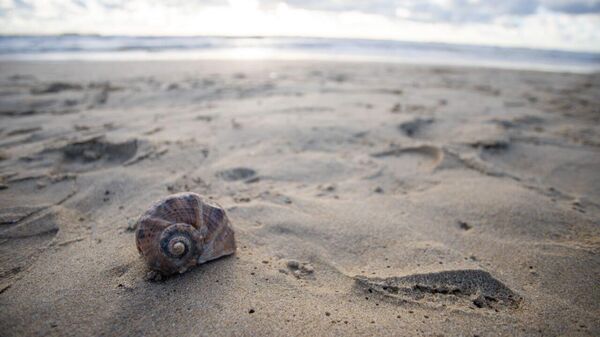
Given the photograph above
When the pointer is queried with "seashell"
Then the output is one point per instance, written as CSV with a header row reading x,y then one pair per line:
x,y
181,231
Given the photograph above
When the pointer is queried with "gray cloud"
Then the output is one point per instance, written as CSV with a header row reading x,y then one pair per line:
x,y
573,7
451,10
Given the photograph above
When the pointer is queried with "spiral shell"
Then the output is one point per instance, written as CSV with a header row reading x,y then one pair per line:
x,y
181,231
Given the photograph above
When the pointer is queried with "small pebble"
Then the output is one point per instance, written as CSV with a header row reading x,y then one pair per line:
x,y
463,225
308,268
153,276
293,264
131,225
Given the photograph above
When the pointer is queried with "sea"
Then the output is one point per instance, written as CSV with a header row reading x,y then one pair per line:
x,y
118,48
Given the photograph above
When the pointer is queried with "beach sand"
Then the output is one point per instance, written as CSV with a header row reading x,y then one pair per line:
x,y
368,199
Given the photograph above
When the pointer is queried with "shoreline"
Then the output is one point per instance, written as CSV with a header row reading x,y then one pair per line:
x,y
116,48
259,56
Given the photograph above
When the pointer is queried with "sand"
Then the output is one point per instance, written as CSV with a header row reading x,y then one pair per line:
x,y
367,199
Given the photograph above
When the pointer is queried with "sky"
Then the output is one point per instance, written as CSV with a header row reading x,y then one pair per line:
x,y
547,24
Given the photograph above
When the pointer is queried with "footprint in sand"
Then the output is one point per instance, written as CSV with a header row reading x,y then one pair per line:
x,y
570,169
238,173
26,196
407,168
23,242
97,153
38,226
78,154
470,287
32,218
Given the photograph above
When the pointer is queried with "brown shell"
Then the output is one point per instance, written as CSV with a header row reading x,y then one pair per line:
x,y
181,231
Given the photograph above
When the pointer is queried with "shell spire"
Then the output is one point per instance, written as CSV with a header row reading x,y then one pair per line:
x,y
181,231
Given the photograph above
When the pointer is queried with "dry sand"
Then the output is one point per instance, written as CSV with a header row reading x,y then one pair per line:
x,y
367,199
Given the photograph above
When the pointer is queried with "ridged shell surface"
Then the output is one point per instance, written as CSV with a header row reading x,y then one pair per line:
x,y
181,231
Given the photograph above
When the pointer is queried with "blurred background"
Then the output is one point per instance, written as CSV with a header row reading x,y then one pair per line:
x,y
539,34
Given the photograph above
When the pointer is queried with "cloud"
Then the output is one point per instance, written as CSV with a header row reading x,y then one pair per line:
x,y
458,11
573,7
557,24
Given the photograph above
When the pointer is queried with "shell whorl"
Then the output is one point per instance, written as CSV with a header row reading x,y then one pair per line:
x,y
178,247
176,241
181,231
